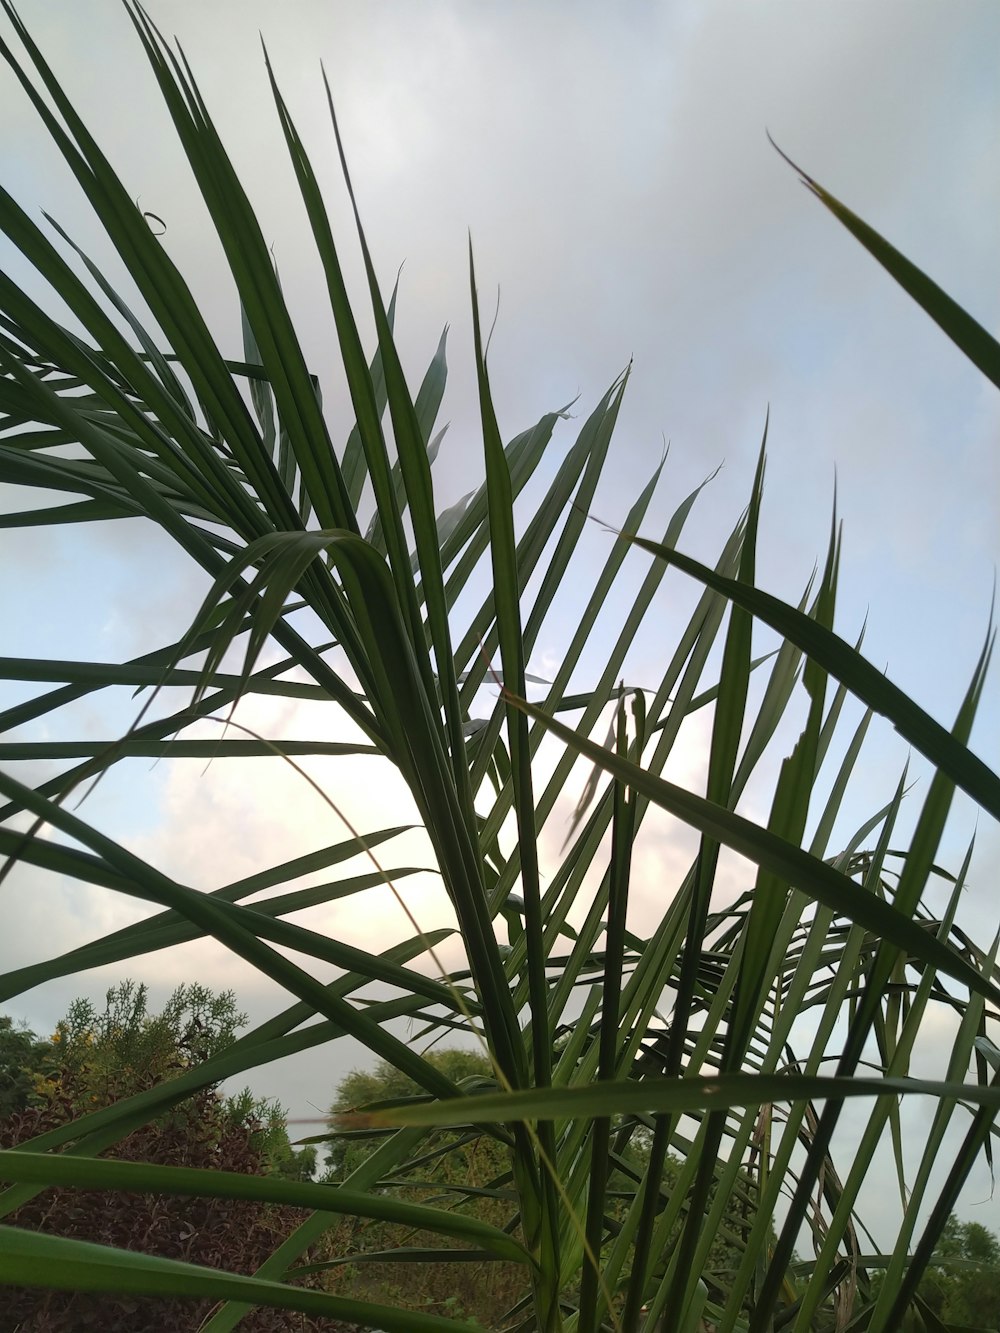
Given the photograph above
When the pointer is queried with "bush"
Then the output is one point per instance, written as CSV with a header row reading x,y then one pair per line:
x,y
465,1171
95,1058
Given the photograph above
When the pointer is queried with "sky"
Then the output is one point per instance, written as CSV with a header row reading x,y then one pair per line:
x,y
612,166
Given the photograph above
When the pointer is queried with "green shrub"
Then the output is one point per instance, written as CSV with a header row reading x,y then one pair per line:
x,y
95,1058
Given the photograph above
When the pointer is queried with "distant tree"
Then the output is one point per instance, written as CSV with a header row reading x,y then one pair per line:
x,y
383,1083
367,1087
726,1252
100,1056
963,1284
270,1136
447,1161
21,1056
95,1057
974,1242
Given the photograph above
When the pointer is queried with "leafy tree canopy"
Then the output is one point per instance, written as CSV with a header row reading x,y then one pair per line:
x,y
365,1087
463,1170
963,1284
98,1056
21,1055
383,1083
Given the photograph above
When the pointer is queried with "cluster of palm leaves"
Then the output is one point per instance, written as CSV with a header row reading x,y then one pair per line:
x,y
691,1035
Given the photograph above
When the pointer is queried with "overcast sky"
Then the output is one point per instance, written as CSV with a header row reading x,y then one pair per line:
x,y
612,165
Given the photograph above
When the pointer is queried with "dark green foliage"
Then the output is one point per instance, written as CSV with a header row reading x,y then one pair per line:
x,y
450,1160
96,1057
384,1083
961,1287
270,1136
362,1086
835,910
109,1054
21,1056
963,1284
463,1171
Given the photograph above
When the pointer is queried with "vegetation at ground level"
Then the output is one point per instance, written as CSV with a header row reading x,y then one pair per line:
x,y
466,1171
325,544
961,1287
470,1172
92,1055
92,1060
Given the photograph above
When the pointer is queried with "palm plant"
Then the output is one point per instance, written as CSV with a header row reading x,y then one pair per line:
x,y
691,1034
